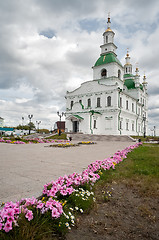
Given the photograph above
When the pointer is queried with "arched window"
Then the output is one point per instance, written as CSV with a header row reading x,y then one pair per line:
x,y
109,101
98,102
119,74
71,104
106,39
95,123
104,73
89,102
126,69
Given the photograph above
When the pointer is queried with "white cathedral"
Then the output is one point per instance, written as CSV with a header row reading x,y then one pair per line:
x,y
114,102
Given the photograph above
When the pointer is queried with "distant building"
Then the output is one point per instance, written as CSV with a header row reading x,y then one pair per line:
x,y
4,131
114,102
1,122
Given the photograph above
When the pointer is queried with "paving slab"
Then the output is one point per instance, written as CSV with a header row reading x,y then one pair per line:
x,y
24,169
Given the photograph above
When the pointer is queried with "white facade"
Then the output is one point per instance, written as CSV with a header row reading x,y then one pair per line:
x,y
1,122
114,102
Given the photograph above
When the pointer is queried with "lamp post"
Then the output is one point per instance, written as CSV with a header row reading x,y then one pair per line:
x,y
30,117
60,116
154,129
144,120
22,123
38,122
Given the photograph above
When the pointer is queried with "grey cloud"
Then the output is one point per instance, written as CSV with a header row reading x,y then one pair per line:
x,y
48,65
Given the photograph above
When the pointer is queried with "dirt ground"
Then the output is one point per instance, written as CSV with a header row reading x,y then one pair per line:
x,y
126,215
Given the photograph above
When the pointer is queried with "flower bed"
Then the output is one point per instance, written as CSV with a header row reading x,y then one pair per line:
x,y
61,199
64,145
31,141
87,143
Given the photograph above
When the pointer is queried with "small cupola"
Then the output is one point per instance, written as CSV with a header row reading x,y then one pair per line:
x,y
128,65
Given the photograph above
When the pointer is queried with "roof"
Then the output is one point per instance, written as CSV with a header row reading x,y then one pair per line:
x,y
130,84
107,58
77,116
128,75
6,129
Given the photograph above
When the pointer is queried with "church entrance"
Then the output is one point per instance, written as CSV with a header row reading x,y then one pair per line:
x,y
75,126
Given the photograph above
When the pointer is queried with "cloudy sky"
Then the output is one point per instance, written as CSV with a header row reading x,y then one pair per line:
x,y
48,47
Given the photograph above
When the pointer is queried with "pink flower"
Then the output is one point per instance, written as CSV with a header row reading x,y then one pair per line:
x,y
40,205
29,215
7,226
55,213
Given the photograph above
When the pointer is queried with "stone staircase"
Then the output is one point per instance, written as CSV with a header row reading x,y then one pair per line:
x,y
92,137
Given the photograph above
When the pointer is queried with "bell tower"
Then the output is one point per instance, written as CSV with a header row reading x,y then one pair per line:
x,y
108,39
128,65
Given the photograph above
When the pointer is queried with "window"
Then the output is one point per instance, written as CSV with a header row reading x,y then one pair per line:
x,y
139,111
126,69
95,123
98,102
132,107
127,126
119,74
127,104
120,124
106,39
89,102
104,73
109,101
120,104
132,126
71,104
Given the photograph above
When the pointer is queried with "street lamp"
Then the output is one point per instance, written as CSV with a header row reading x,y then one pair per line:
x,y
22,123
60,116
144,120
38,122
30,117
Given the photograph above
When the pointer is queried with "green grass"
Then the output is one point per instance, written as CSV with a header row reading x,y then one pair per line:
x,y
140,169
62,136
147,138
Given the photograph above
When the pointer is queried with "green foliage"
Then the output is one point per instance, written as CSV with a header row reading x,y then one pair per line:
x,y
147,138
26,127
62,136
43,131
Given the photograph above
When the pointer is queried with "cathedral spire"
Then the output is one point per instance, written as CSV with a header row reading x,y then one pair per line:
x,y
108,23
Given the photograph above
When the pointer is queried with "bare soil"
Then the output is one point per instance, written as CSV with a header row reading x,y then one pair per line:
x,y
126,215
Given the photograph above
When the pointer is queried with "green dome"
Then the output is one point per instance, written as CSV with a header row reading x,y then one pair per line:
x,y
128,75
107,58
129,83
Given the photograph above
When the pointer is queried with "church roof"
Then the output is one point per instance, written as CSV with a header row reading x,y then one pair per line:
x,y
107,58
128,75
130,84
